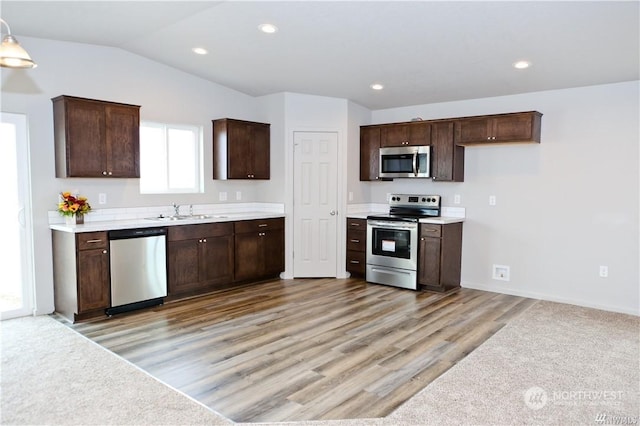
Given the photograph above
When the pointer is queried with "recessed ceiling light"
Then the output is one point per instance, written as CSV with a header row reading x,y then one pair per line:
x,y
268,28
521,65
200,50
377,86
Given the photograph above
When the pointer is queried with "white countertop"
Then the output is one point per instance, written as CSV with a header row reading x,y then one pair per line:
x,y
109,225
440,220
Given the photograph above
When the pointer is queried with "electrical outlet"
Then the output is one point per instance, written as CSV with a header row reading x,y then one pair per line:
x,y
456,199
238,195
492,200
222,196
350,196
604,271
501,272
102,198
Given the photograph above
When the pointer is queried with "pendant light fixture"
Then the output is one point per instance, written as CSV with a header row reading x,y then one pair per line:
x,y
12,55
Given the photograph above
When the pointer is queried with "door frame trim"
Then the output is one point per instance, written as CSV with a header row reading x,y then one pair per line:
x,y
341,194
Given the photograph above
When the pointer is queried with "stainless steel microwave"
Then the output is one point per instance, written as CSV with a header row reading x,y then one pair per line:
x,y
405,162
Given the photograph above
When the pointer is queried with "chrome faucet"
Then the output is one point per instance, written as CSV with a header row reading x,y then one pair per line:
x,y
176,208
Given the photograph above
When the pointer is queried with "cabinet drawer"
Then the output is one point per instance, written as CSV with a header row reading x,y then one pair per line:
x,y
91,240
190,232
356,240
356,262
430,230
246,226
356,224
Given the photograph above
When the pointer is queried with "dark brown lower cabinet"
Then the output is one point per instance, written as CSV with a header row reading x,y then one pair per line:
x,y
439,256
259,249
356,246
81,277
199,257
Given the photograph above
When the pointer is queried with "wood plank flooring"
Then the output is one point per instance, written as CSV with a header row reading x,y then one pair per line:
x,y
306,349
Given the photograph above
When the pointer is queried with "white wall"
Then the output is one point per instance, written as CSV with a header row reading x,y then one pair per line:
x,y
564,207
165,94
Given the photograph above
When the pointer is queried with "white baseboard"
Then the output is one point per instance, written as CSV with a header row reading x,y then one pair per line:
x,y
550,298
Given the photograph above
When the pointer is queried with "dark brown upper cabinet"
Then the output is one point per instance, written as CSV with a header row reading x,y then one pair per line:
x,y
369,152
96,138
241,149
519,127
447,158
413,133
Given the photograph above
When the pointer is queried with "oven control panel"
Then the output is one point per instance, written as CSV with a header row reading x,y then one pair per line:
x,y
413,200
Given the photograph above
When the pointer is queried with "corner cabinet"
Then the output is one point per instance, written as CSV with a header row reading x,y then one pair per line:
x,y
520,127
439,256
81,278
199,258
259,249
96,138
241,149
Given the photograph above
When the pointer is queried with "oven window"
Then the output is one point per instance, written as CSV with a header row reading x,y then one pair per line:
x,y
391,242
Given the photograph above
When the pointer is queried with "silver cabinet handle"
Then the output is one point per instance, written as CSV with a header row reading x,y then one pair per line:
x,y
94,241
354,261
355,241
262,225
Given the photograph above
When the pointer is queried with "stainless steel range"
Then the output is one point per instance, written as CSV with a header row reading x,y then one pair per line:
x,y
392,240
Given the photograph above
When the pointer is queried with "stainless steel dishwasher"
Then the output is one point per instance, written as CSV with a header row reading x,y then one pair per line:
x,y
138,268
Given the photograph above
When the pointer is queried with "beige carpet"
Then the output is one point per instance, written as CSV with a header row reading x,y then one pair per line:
x,y
556,364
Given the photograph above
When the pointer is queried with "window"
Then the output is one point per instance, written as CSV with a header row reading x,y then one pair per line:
x,y
170,158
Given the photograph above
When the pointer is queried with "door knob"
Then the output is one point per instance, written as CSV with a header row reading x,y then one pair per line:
x,y
333,212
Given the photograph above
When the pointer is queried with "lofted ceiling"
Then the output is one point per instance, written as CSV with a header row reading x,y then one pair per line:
x,y
421,51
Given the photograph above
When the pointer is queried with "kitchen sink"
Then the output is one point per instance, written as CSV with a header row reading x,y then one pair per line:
x,y
168,218
185,217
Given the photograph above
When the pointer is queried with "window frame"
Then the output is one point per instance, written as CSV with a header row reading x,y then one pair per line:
x,y
198,163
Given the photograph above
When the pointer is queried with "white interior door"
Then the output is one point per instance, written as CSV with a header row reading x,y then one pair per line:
x,y
16,286
315,203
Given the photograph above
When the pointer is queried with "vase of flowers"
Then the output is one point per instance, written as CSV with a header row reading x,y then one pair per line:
x,y
73,208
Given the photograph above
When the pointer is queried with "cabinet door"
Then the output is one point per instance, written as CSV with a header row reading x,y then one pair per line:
x,y
512,128
394,135
369,152
447,159
247,256
216,255
473,130
429,262
183,263
272,252
93,280
238,150
405,134
122,141
85,148
259,135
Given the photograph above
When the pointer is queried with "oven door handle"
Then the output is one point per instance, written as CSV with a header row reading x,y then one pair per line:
x,y
393,224
415,163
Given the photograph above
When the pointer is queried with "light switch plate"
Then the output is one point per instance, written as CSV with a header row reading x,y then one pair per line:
x,y
222,196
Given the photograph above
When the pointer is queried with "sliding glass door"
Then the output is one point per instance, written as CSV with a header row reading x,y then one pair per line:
x,y
16,284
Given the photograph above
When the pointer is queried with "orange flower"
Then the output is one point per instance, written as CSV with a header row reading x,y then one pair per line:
x,y
70,205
